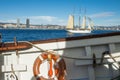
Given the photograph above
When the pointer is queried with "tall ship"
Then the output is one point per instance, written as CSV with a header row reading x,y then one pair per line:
x,y
87,57
84,28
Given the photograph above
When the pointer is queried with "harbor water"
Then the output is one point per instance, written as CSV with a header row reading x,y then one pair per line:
x,y
40,34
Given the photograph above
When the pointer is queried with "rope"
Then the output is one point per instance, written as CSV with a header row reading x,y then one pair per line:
x,y
87,58
13,73
47,51
62,55
107,52
35,46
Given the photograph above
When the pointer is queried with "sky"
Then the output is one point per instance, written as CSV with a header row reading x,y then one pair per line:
x,y
56,12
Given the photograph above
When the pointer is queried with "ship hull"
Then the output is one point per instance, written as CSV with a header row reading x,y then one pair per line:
x,y
79,31
77,53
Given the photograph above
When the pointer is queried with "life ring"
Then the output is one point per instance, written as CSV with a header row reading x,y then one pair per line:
x,y
59,67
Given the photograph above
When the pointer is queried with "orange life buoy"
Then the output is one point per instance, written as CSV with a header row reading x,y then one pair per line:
x,y
59,67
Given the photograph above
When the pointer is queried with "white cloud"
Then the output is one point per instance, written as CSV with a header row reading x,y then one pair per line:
x,y
113,20
9,21
37,20
45,20
103,14
109,22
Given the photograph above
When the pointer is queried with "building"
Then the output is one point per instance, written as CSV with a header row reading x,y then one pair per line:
x,y
27,23
18,23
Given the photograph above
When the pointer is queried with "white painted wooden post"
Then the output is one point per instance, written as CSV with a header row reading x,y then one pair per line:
x,y
8,60
112,47
111,50
7,67
15,61
5,63
91,72
110,70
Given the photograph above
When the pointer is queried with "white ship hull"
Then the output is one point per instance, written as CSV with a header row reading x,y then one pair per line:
x,y
77,53
79,31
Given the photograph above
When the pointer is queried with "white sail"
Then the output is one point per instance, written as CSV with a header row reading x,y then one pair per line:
x,y
91,25
70,22
84,23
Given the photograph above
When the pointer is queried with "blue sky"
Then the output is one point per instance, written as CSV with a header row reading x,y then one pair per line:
x,y
102,12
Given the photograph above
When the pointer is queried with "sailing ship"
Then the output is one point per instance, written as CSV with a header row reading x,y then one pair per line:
x,y
83,29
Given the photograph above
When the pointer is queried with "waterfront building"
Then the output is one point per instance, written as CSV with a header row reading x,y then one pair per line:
x,y
27,23
18,23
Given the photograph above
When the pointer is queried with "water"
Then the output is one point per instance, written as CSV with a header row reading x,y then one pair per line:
x,y
37,34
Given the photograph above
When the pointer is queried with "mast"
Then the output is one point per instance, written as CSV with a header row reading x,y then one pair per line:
x,y
70,22
84,20
79,17
79,21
